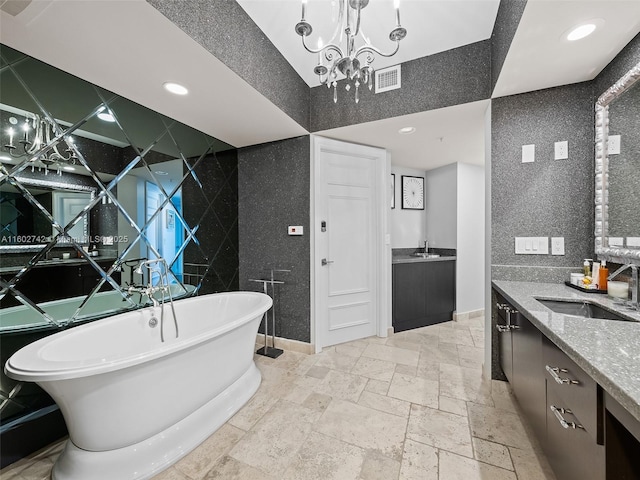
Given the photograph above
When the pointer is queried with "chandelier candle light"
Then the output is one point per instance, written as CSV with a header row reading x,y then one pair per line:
x,y
43,135
348,61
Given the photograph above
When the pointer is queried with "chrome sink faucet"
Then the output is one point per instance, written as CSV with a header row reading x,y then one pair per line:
x,y
633,285
426,246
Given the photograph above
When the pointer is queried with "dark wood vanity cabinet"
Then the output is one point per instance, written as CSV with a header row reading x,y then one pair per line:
x,y
562,403
424,293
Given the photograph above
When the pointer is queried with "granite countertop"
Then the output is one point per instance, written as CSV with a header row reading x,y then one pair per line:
x,y
414,259
608,350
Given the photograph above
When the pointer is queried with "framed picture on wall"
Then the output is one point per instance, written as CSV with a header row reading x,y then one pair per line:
x,y
412,192
393,190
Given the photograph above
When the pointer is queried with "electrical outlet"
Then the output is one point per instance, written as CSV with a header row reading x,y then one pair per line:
x,y
557,245
613,144
561,150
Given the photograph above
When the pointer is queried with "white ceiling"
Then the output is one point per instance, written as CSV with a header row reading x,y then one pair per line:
x,y
148,50
433,26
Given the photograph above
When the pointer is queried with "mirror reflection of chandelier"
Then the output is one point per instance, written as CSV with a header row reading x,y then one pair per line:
x,y
354,63
35,133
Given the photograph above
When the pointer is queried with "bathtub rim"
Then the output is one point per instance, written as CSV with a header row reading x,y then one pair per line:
x,y
39,370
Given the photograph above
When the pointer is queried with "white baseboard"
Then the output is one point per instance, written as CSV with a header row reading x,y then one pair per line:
x,y
457,316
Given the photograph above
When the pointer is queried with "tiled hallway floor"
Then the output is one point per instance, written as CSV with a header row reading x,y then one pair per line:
x,y
413,406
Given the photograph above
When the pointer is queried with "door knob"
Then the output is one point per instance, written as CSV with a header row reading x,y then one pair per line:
x,y
325,262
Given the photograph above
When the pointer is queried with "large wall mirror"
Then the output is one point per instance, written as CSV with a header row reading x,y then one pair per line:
x,y
618,170
91,184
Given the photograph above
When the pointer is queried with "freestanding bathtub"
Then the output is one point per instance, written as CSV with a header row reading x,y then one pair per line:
x,y
134,405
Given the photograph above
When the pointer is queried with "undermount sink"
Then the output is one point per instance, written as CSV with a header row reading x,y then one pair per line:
x,y
582,309
426,255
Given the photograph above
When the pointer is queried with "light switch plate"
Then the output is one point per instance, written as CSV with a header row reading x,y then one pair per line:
x,y
528,153
561,150
296,230
616,241
557,245
613,144
633,242
532,245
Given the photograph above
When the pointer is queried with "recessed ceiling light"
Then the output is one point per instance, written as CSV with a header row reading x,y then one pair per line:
x,y
175,88
106,117
407,130
161,172
584,29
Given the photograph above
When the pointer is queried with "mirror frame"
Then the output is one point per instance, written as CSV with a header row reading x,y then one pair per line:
x,y
49,184
617,255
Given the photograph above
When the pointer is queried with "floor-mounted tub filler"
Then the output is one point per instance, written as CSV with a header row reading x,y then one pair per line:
x,y
135,405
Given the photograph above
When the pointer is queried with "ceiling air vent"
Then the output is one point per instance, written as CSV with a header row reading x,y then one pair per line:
x,y
388,79
14,7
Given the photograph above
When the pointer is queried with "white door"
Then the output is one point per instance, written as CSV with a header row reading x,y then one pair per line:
x,y
347,240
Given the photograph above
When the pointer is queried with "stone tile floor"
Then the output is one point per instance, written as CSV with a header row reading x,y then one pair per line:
x,y
412,406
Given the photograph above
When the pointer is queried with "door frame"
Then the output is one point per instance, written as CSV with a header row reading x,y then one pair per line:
x,y
383,240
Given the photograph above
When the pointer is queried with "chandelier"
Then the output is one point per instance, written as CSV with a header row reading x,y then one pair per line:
x,y
43,135
354,63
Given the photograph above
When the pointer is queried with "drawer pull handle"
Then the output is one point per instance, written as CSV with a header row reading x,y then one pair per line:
x,y
558,412
553,371
506,307
503,328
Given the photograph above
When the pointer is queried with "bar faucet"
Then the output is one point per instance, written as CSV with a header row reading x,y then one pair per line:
x,y
633,284
426,246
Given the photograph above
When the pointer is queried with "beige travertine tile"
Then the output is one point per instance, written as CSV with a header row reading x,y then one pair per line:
x,y
228,468
463,337
171,473
254,409
35,469
470,356
274,441
385,404
497,426
197,463
452,405
440,353
351,349
503,397
530,466
428,368
455,467
440,429
466,384
415,390
419,462
317,372
399,342
492,453
374,369
336,361
289,360
298,391
377,386
341,385
325,458
392,354
407,370
317,401
364,427
378,467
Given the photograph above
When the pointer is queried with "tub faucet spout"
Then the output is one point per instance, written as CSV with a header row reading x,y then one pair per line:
x,y
159,266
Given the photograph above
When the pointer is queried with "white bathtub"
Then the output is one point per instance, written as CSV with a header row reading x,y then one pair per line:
x,y
134,405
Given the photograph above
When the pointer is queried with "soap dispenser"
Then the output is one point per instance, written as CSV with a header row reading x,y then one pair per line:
x,y
603,276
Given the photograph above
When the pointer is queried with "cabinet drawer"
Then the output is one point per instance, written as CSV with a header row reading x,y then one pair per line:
x,y
572,452
570,383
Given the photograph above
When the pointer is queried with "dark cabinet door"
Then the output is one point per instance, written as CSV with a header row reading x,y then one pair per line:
x,y
571,450
528,371
441,292
409,296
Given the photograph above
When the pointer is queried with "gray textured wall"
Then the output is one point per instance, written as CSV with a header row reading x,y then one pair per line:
x,y
457,76
507,20
223,28
547,198
273,193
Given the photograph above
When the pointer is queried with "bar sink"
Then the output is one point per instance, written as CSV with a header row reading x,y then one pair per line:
x,y
582,309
